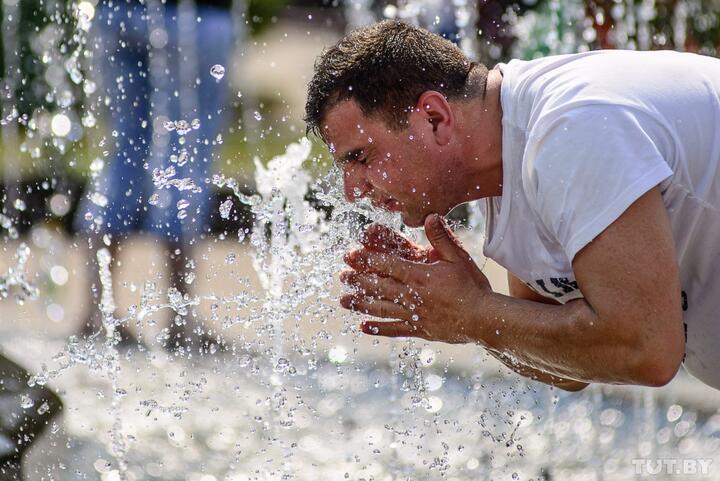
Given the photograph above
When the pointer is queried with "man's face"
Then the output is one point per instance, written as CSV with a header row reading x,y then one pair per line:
x,y
398,170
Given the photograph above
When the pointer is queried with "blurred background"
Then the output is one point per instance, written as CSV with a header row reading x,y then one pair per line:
x,y
152,150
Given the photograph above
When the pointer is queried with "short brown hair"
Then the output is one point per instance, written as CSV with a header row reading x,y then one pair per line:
x,y
385,67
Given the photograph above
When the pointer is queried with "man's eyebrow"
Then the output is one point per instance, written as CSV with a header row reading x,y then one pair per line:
x,y
348,156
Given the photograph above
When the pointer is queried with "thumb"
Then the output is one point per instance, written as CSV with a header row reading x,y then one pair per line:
x,y
443,239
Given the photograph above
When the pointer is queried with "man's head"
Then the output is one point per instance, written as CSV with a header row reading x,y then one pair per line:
x,y
386,101
384,68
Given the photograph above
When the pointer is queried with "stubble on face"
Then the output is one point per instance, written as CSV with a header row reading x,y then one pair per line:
x,y
394,165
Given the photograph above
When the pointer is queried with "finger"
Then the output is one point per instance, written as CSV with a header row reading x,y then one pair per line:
x,y
380,238
356,260
444,240
384,265
391,329
374,307
386,288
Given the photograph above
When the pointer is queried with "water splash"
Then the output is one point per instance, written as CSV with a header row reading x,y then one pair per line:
x,y
16,281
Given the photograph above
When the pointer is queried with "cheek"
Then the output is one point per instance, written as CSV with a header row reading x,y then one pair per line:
x,y
383,170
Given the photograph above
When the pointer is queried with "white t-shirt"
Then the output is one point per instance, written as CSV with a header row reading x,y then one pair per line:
x,y
586,135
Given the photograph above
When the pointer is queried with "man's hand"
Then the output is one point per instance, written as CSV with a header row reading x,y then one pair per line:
x,y
434,292
380,240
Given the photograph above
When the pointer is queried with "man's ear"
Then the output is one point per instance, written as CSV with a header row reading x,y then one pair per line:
x,y
434,109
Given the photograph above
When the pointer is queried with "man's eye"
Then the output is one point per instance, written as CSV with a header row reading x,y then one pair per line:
x,y
361,160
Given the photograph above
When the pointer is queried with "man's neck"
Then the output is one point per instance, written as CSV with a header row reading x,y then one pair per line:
x,y
483,149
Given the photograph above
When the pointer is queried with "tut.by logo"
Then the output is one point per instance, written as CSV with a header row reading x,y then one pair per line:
x,y
672,466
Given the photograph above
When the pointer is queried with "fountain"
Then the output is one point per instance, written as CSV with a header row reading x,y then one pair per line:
x,y
294,391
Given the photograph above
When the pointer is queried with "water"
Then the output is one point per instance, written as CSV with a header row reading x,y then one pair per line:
x,y
217,71
286,387
16,281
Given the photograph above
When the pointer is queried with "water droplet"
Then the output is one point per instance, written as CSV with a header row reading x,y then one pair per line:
x,y
183,158
217,71
97,165
337,354
98,199
60,125
169,125
282,365
89,120
26,402
182,214
390,11
182,127
19,204
225,209
102,466
195,124
257,116
154,199
183,204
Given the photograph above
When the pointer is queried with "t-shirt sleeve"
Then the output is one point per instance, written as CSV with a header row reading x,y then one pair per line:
x,y
583,168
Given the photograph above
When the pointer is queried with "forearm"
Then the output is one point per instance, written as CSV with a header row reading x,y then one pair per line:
x,y
567,341
537,375
519,290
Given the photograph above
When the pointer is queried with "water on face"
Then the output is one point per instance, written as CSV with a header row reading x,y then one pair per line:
x,y
278,383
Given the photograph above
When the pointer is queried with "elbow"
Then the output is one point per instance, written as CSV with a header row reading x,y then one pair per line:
x,y
658,364
572,386
658,374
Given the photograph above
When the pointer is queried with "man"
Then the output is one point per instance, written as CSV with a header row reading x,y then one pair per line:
x,y
602,199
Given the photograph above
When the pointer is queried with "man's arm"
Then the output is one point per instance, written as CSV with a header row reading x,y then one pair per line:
x,y
626,330
519,290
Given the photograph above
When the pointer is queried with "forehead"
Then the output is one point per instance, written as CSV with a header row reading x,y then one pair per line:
x,y
343,120
346,128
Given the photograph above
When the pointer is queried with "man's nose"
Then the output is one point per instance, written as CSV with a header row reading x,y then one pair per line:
x,y
355,186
